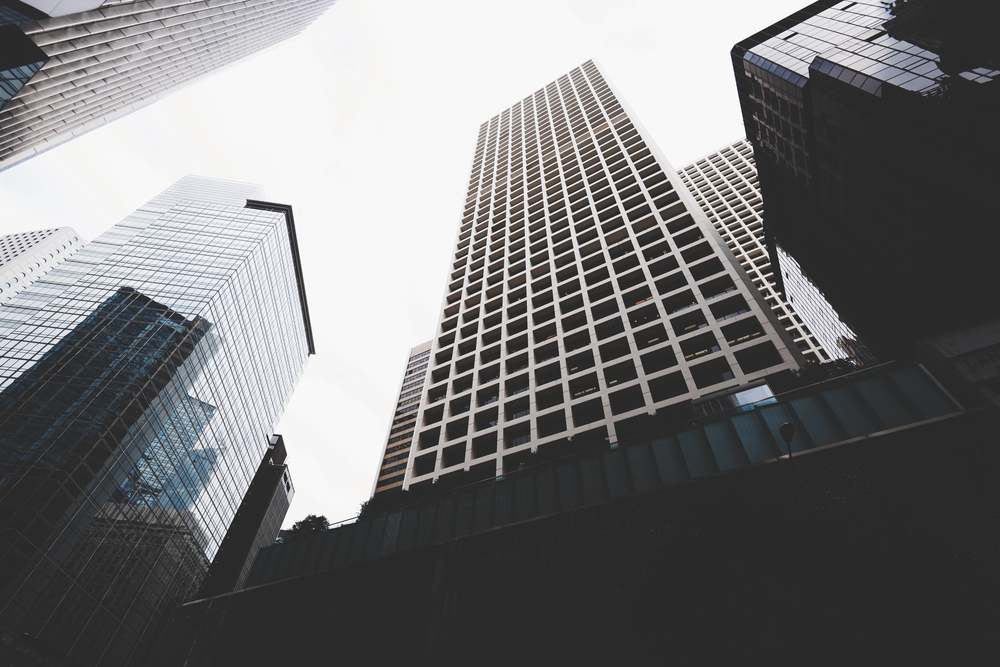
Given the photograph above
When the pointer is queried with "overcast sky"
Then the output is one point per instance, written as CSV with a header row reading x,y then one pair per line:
x,y
366,124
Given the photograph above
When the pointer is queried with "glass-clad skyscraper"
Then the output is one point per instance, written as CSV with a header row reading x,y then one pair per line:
x,y
140,382
70,66
874,131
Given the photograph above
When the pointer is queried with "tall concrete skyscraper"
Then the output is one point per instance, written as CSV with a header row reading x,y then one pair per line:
x,y
725,185
587,291
69,66
140,384
392,465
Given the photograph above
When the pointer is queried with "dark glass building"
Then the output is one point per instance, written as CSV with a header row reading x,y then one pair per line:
x,y
873,126
140,382
69,66
256,524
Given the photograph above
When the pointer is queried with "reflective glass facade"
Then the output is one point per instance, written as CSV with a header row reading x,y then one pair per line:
x,y
725,185
873,126
140,382
98,65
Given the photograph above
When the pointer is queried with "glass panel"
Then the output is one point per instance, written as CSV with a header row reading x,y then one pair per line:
x,y
484,509
408,529
570,493
776,415
816,421
726,448
849,412
524,496
922,393
464,514
886,405
300,555
263,567
616,473
697,454
390,536
593,481
374,537
283,566
669,460
343,545
753,434
360,539
446,512
545,487
501,503
641,462
311,563
425,530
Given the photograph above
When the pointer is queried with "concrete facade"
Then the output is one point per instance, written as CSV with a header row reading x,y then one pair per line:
x,y
587,289
392,465
27,256
725,185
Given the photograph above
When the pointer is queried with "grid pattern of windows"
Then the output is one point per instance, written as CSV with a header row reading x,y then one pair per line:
x,y
27,256
586,288
106,63
397,446
725,186
140,381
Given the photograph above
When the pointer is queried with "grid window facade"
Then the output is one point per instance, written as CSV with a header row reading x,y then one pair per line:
x,y
586,289
725,185
404,420
27,256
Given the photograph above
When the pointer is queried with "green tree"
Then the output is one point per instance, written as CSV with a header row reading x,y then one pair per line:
x,y
310,524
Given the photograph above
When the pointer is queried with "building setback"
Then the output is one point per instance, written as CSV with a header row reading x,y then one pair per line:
x,y
873,126
90,62
392,466
140,382
725,186
587,291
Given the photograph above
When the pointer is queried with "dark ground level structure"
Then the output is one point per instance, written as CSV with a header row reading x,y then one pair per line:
x,y
884,547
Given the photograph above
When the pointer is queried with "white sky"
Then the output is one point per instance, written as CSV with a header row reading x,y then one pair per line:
x,y
366,125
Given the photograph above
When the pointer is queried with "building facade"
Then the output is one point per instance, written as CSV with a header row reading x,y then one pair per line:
x,y
140,383
26,256
587,291
873,131
725,186
256,524
69,67
392,466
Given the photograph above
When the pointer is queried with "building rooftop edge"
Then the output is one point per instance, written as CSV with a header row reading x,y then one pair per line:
x,y
286,209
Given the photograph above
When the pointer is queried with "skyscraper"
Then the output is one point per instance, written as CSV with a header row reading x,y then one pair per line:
x,y
873,126
725,185
26,256
392,465
69,67
256,524
140,382
587,291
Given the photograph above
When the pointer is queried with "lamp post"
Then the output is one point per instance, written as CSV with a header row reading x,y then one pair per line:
x,y
787,431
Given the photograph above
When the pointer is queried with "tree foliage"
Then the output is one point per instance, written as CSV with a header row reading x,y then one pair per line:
x,y
310,524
